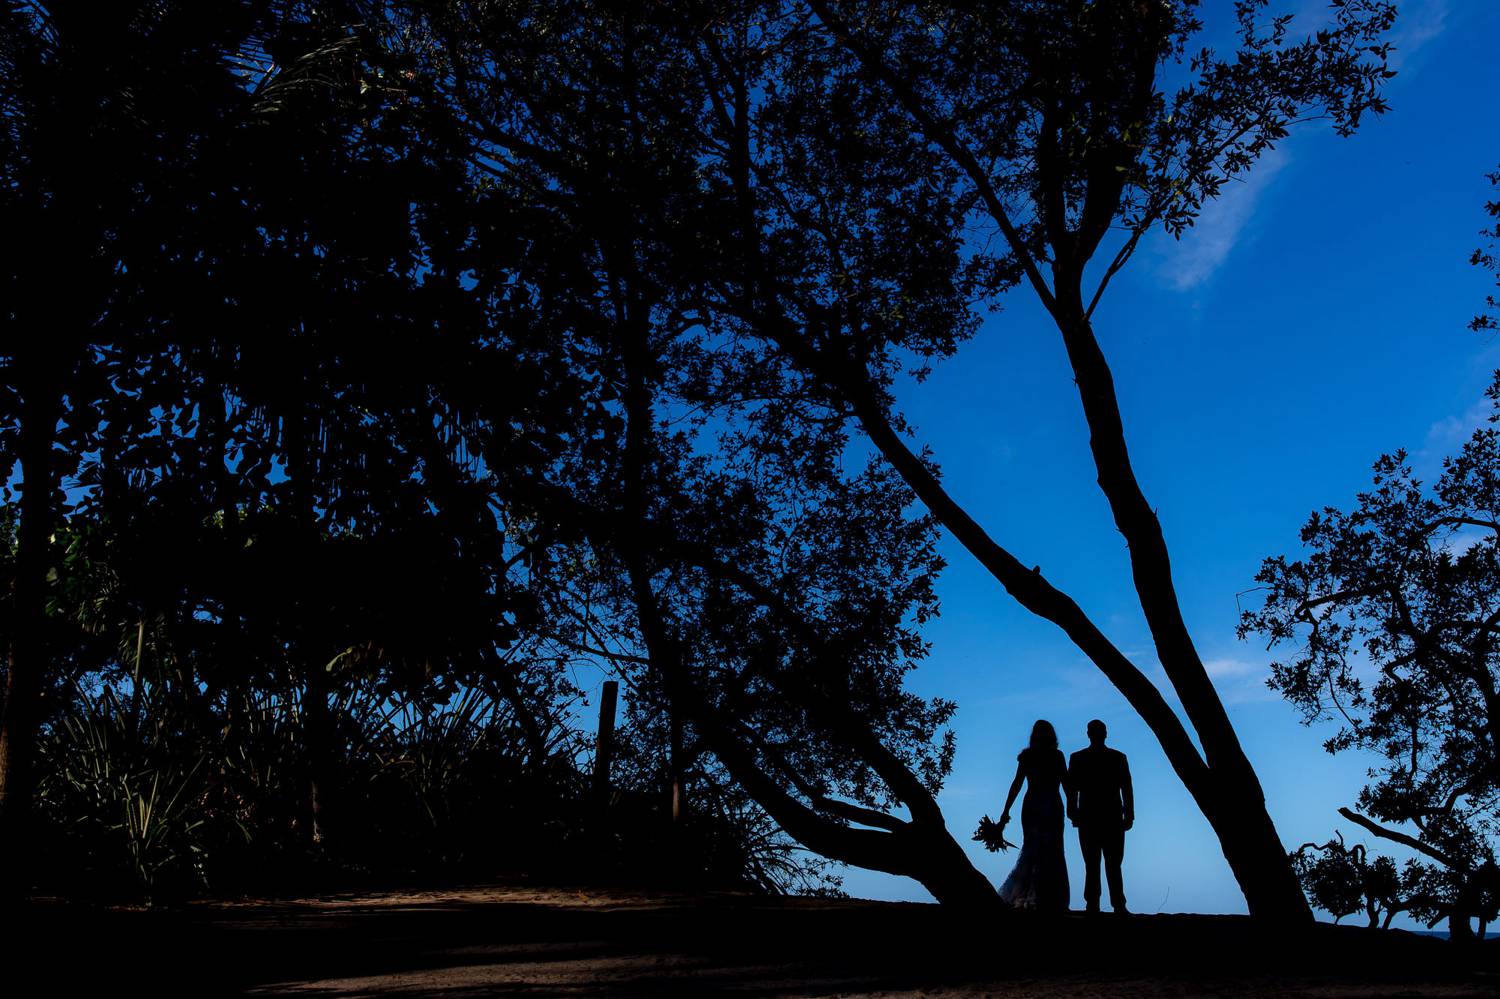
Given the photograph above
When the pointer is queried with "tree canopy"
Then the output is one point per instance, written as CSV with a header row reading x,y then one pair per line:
x,y
1391,619
435,347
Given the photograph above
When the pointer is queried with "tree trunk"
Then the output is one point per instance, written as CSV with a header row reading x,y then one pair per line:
x,y
1234,808
1254,851
675,767
1226,788
1249,837
922,850
947,873
27,665
1465,906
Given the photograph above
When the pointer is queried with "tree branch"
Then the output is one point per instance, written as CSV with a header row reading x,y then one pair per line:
x,y
1400,837
1455,521
940,134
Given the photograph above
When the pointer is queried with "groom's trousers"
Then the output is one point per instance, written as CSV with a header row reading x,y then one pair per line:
x,y
1105,843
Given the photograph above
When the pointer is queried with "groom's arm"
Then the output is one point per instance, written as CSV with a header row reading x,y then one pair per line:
x,y
1070,789
1127,793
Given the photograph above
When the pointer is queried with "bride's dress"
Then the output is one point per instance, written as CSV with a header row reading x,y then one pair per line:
x,y
1040,877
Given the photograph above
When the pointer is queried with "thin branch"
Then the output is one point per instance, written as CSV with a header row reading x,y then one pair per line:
x,y
1431,526
940,134
619,657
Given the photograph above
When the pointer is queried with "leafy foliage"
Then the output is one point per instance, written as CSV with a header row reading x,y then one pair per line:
x,y
1343,880
1484,257
1392,614
430,349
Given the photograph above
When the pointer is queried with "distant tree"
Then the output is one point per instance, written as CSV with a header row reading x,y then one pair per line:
x,y
1341,880
1393,614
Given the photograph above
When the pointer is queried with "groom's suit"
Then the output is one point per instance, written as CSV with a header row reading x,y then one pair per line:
x,y
1102,805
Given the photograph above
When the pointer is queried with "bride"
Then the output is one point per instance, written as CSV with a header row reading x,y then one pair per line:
x,y
1040,878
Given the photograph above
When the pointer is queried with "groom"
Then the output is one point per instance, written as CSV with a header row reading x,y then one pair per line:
x,y
1102,806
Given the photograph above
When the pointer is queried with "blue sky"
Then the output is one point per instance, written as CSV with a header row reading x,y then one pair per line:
x,y
1314,319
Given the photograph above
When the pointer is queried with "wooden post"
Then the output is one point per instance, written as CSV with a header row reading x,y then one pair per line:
x,y
674,764
604,741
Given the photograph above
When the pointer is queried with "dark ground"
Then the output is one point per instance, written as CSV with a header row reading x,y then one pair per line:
x,y
534,941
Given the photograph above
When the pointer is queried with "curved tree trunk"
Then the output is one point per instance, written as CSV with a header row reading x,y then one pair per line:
x,y
1248,835
920,848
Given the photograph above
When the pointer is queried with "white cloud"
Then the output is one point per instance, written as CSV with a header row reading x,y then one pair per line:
x,y
1446,437
1193,259
1189,262
1417,24
1240,681
1220,669
1460,542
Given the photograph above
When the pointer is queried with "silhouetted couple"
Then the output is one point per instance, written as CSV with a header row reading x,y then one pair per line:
x,y
1100,804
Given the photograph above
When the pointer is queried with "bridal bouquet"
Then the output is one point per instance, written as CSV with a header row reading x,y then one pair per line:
x,y
992,835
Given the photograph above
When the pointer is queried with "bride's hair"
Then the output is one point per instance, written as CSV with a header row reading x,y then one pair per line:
x,y
1043,735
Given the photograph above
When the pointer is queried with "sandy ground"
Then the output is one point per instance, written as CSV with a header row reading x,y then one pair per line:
x,y
520,940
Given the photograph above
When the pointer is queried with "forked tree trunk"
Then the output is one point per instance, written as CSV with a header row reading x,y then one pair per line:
x,y
920,848
1244,826
1221,780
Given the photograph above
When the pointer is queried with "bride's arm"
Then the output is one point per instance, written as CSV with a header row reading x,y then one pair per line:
x,y
1015,789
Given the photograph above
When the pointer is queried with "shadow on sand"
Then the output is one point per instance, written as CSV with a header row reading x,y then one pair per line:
x,y
585,942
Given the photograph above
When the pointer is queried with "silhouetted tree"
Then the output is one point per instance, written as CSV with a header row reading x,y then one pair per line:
x,y
358,415
739,580
105,113
814,177
1049,129
249,309
571,313
1341,880
1393,616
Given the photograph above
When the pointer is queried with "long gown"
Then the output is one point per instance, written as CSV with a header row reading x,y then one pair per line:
x,y
1040,877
